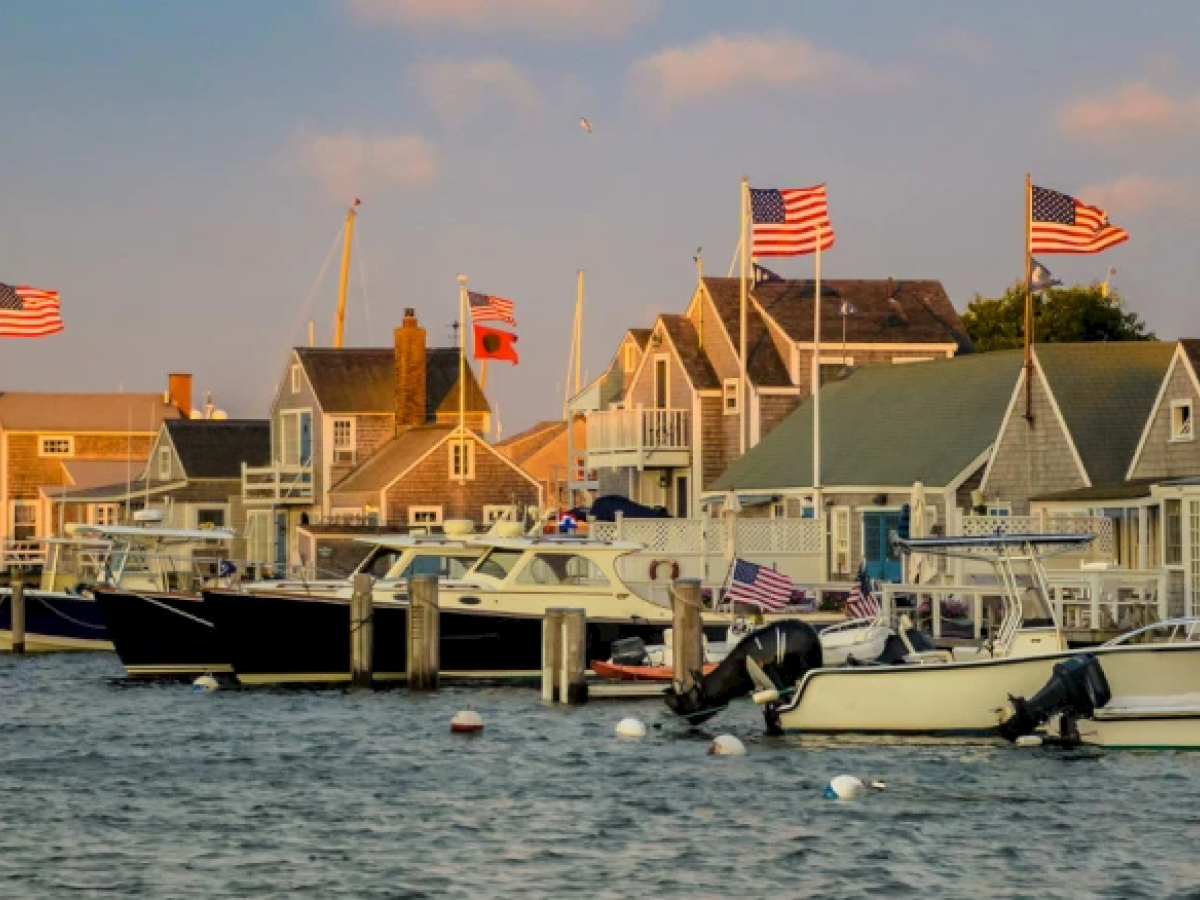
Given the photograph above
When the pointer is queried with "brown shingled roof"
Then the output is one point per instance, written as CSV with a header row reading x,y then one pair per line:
x,y
1191,347
72,413
393,459
641,335
522,445
683,335
763,364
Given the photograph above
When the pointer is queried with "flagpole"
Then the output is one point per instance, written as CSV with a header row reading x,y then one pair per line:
x,y
1028,364
579,333
743,387
462,378
816,375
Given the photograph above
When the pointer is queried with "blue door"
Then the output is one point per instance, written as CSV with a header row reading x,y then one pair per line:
x,y
882,563
305,438
281,541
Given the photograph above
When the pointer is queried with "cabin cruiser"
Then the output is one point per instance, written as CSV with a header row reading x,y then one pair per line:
x,y
961,692
63,612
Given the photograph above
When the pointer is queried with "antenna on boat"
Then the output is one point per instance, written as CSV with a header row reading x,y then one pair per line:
x,y
340,321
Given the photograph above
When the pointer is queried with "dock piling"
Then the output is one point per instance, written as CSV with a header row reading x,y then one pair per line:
x,y
18,616
424,633
362,631
687,636
573,687
552,645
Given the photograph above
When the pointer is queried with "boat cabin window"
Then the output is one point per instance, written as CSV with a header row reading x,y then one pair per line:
x,y
498,563
379,562
555,569
441,566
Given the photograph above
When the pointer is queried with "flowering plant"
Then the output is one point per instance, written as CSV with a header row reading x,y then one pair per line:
x,y
952,608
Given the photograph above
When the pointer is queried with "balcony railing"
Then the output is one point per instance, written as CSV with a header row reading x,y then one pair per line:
x,y
640,437
279,483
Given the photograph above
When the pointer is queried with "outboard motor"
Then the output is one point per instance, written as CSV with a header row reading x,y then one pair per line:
x,y
629,652
783,651
1074,691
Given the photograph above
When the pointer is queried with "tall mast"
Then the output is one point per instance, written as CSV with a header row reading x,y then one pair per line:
x,y
1028,360
340,322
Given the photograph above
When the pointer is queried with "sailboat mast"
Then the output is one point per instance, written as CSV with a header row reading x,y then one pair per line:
x,y
340,322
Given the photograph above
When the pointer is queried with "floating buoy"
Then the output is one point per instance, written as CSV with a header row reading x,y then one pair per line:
x,y
844,787
878,785
466,722
205,683
726,745
631,728
1029,740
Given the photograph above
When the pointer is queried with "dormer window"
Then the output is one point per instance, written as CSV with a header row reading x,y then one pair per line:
x,y
164,463
731,396
629,357
296,378
1183,426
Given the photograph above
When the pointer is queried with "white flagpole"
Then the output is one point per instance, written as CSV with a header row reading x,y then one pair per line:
x,y
816,374
743,387
462,378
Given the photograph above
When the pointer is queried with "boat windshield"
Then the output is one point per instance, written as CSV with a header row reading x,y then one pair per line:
x,y
379,562
558,569
441,565
498,563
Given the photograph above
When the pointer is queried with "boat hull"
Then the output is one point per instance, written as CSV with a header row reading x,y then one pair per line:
x,y
162,635
965,698
55,622
639,673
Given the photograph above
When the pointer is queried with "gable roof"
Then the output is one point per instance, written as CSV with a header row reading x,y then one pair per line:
x,y
522,445
641,336
917,312
363,380
888,426
1191,349
763,364
682,334
90,473
393,459
216,448
1105,392
71,413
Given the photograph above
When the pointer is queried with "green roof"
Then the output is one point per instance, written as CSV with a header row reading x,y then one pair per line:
x,y
1125,376
888,426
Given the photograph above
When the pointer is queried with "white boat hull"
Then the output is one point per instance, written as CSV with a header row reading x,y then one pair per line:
x,y
966,698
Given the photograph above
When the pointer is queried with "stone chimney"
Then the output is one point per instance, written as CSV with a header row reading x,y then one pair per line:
x,y
410,372
179,393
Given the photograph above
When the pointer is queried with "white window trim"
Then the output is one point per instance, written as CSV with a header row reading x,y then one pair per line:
x,y
453,444
664,358
629,357
841,538
353,448
97,519
495,512
295,378
43,439
414,511
1179,438
735,385
997,508
164,456
13,506
210,507
284,451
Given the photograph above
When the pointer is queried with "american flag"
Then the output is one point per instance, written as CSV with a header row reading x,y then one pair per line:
x,y
759,586
486,308
28,312
785,221
861,603
1062,224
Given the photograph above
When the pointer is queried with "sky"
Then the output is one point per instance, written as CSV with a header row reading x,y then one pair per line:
x,y
179,171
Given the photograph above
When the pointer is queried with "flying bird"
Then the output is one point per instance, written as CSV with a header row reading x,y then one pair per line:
x,y
585,125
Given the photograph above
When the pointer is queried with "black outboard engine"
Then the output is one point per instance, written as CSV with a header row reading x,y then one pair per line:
x,y
1074,691
629,652
783,651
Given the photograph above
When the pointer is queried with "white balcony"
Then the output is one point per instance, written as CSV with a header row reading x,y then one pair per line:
x,y
279,484
639,438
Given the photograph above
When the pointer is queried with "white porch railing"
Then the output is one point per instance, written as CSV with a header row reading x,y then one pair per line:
x,y
22,553
635,436
279,483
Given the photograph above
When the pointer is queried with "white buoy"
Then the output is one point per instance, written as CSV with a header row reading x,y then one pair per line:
x,y
726,745
205,683
845,787
466,722
1029,740
631,728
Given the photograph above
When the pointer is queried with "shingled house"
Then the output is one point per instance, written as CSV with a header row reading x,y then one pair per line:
x,y
57,441
333,412
675,423
546,451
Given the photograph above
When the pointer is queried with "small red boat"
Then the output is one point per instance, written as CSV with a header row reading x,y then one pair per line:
x,y
638,673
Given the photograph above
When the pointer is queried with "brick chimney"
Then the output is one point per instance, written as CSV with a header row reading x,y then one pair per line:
x,y
179,393
410,372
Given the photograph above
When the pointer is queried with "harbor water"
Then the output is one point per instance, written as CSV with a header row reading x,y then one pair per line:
x,y
115,790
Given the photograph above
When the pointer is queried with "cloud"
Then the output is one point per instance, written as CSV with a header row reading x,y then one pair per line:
x,y
594,18
351,164
457,90
1132,110
722,63
1134,194
966,45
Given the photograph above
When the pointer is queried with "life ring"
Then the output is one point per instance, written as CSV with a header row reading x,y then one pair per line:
x,y
664,562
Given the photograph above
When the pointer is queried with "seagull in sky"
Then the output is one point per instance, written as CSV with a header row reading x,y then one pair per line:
x,y
585,125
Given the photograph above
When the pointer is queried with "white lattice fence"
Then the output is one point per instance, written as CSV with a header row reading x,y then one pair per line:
x,y
1101,548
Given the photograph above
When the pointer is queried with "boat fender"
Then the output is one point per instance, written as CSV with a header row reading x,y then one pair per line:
x,y
1029,740
466,721
844,787
764,697
205,684
664,562
631,728
726,745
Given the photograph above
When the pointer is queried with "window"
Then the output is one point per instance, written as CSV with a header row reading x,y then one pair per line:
x,y
295,447
841,539
778,510
662,387
164,463
210,517
457,467
996,508
56,446
833,367
629,356
295,378
731,397
558,569
498,563
441,566
23,520
424,515
500,513
343,440
1173,541
106,514
1182,428
258,536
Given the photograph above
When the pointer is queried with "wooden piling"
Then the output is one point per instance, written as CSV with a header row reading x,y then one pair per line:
x,y
424,633
573,689
18,616
552,645
362,631
687,636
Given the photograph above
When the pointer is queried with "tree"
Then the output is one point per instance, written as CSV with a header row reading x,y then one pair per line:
x,y
1079,313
